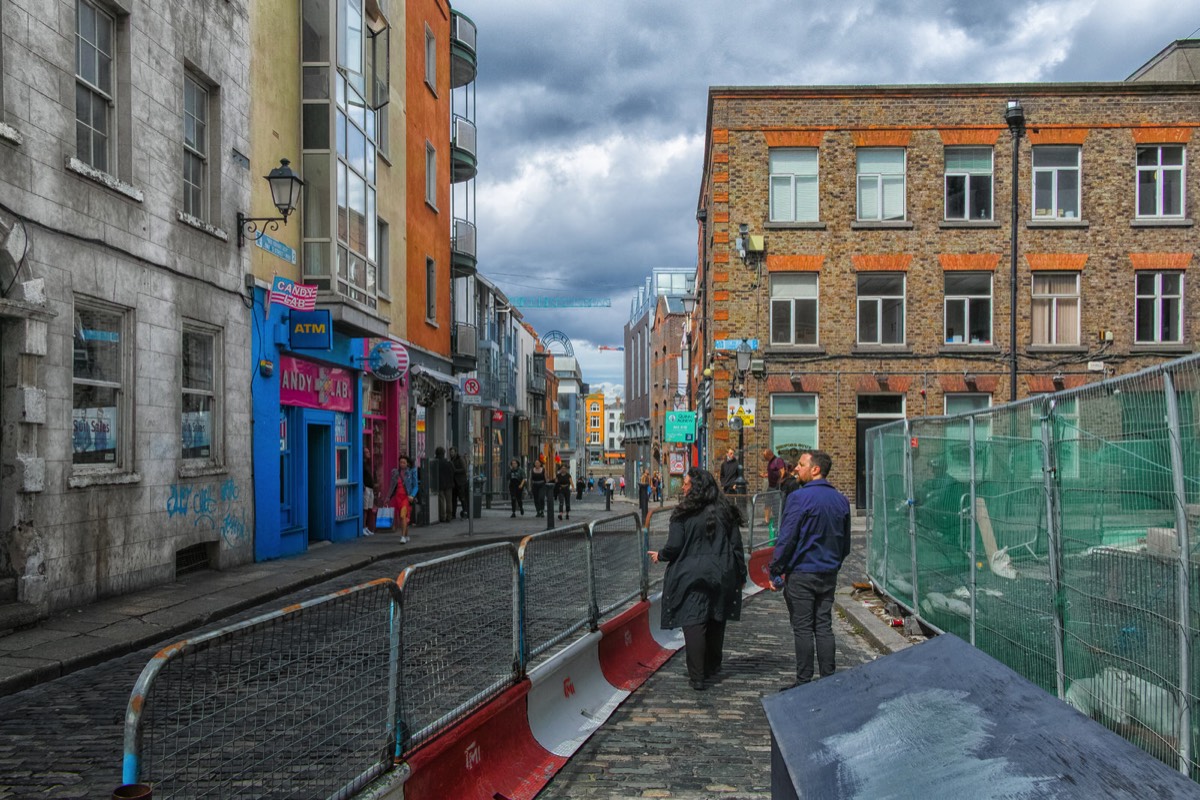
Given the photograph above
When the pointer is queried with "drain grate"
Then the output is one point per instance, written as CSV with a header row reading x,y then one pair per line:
x,y
191,559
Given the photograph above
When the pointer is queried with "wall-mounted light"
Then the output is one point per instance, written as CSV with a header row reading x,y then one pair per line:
x,y
1060,381
285,194
970,380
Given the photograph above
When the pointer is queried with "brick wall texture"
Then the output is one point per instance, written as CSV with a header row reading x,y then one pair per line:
x,y
1104,247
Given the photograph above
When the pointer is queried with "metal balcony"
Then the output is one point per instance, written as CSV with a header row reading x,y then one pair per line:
x,y
464,345
464,163
464,63
462,248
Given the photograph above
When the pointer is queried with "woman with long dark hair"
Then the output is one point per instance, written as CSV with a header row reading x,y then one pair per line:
x,y
702,588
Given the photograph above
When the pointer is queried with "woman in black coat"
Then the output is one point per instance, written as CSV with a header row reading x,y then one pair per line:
x,y
702,588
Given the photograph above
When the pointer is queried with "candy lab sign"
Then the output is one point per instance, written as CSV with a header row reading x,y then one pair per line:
x,y
303,383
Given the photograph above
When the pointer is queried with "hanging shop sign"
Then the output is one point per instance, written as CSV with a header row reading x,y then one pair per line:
x,y
296,296
303,383
310,330
497,416
388,361
680,427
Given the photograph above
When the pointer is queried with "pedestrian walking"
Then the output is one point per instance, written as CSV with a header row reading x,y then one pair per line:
x,y
458,465
368,500
622,486
729,471
445,484
813,541
562,488
591,484
402,495
537,485
774,469
702,587
579,487
516,487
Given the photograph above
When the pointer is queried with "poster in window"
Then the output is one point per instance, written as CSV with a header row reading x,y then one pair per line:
x,y
94,435
197,434
341,427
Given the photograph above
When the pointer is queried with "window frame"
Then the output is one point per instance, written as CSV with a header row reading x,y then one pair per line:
x,y
430,59
107,95
1159,168
878,300
1054,300
215,394
431,186
430,290
124,439
201,189
793,303
879,178
793,183
1035,170
1158,298
948,298
966,175
814,418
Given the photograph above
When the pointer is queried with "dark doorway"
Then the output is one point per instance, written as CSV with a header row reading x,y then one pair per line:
x,y
873,410
320,483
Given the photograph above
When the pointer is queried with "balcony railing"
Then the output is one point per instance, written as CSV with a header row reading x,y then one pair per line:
x,y
465,340
464,162
464,63
462,247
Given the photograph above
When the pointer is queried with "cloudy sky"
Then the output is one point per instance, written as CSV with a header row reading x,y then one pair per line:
x,y
591,114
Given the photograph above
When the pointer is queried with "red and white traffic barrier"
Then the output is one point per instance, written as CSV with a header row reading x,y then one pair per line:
x,y
570,697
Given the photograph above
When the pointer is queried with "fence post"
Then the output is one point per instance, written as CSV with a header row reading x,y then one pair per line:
x,y
395,715
1053,544
593,603
1174,442
974,574
880,448
644,538
912,508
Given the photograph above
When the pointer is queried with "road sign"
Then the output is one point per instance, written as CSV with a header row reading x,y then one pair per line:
x,y
733,344
742,408
680,426
677,463
470,390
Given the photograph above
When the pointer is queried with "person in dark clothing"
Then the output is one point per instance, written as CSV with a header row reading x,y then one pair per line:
x,y
516,487
579,487
562,488
445,484
702,587
537,485
459,466
814,540
729,471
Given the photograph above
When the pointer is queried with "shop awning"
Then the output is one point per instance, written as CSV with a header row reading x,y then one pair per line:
x,y
428,384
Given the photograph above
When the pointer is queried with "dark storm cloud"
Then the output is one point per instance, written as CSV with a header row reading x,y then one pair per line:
x,y
591,115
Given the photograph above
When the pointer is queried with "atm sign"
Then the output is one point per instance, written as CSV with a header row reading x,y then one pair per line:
x,y
310,330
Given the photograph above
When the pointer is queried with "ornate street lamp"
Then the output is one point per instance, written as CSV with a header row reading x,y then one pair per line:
x,y
285,194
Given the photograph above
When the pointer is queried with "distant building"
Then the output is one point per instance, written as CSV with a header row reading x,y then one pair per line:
x,y
614,436
594,427
861,237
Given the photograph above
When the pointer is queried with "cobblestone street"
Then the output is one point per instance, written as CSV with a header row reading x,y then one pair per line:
x,y
668,741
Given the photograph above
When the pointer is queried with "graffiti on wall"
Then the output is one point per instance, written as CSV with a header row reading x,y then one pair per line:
x,y
212,506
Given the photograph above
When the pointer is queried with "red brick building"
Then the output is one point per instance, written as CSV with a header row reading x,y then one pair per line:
x,y
863,236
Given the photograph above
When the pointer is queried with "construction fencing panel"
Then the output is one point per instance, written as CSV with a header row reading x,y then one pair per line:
x,y
1059,534
461,622
297,703
619,572
556,580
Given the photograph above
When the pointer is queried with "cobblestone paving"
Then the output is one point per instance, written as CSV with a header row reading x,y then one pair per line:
x,y
668,741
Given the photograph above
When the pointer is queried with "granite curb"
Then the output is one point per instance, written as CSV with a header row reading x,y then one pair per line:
x,y
868,625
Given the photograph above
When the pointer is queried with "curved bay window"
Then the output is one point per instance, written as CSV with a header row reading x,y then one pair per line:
x,y
345,59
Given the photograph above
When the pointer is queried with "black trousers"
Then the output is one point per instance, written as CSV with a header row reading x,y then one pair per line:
x,y
514,495
703,645
809,597
538,490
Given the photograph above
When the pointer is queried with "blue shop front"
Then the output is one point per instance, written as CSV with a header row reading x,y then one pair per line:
x,y
307,389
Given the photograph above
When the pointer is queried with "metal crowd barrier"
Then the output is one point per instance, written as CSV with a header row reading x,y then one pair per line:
x,y
320,698
765,511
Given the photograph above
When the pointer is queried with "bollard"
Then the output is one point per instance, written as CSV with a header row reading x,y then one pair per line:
x,y
133,791
608,499
549,506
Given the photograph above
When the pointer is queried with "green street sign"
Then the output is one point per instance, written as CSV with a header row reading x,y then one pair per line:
x,y
680,426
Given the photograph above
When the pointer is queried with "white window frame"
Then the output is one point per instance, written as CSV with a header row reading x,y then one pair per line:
x,y
1158,296
967,175
780,280
195,147
965,300
123,417
383,274
1054,300
1055,173
430,290
430,59
785,187
431,186
879,181
878,301
957,460
105,96
214,394
780,416
1158,170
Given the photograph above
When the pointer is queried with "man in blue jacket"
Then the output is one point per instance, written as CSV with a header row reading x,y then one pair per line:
x,y
814,540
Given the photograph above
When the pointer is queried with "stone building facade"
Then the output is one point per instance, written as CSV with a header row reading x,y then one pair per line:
x,y
123,324
863,236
